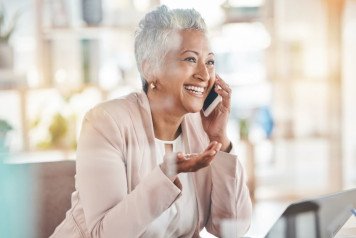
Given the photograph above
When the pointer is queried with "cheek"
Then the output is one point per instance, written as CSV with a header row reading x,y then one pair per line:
x,y
180,74
176,71
212,79
212,72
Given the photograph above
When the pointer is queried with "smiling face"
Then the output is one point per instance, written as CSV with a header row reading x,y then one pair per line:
x,y
187,73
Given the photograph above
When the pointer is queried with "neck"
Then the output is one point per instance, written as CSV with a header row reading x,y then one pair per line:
x,y
166,122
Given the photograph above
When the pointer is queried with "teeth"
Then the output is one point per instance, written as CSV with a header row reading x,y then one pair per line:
x,y
195,89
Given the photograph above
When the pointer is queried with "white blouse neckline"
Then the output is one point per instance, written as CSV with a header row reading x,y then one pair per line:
x,y
175,141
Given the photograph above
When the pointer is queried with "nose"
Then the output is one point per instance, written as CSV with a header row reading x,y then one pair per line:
x,y
202,72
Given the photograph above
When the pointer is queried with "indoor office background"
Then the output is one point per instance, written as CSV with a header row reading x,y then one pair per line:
x,y
291,65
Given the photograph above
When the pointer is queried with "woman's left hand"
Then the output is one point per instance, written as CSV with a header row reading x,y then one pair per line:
x,y
215,125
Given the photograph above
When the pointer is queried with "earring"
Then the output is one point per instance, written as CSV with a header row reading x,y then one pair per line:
x,y
152,85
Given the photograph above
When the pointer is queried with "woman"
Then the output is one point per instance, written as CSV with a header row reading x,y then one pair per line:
x,y
149,164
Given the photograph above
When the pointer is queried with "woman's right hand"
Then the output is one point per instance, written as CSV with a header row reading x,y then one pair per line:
x,y
176,163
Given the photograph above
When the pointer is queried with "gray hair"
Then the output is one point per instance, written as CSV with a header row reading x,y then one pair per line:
x,y
152,35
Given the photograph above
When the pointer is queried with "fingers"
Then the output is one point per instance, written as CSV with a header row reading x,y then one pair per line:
x,y
194,162
212,149
224,90
180,156
223,85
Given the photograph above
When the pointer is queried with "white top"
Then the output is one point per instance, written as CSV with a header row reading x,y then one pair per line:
x,y
181,218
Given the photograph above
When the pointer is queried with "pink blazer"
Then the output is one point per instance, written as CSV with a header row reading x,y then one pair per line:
x,y
120,189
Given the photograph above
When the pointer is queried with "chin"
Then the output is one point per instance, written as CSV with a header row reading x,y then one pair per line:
x,y
194,109
193,106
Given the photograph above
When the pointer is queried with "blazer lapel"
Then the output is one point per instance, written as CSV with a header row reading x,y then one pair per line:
x,y
146,116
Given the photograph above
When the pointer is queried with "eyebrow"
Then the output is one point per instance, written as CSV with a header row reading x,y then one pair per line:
x,y
194,52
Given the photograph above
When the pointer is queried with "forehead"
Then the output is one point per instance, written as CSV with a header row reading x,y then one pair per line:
x,y
191,40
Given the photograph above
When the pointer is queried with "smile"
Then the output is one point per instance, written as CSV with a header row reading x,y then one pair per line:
x,y
195,89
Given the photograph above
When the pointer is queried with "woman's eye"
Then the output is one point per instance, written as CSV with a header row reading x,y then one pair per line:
x,y
211,62
191,59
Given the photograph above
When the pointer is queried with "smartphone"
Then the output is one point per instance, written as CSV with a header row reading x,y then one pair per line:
x,y
211,101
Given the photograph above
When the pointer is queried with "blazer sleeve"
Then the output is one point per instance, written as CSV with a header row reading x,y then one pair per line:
x,y
230,197
102,185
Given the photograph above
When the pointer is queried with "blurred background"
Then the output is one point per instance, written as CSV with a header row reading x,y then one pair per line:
x,y
291,65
